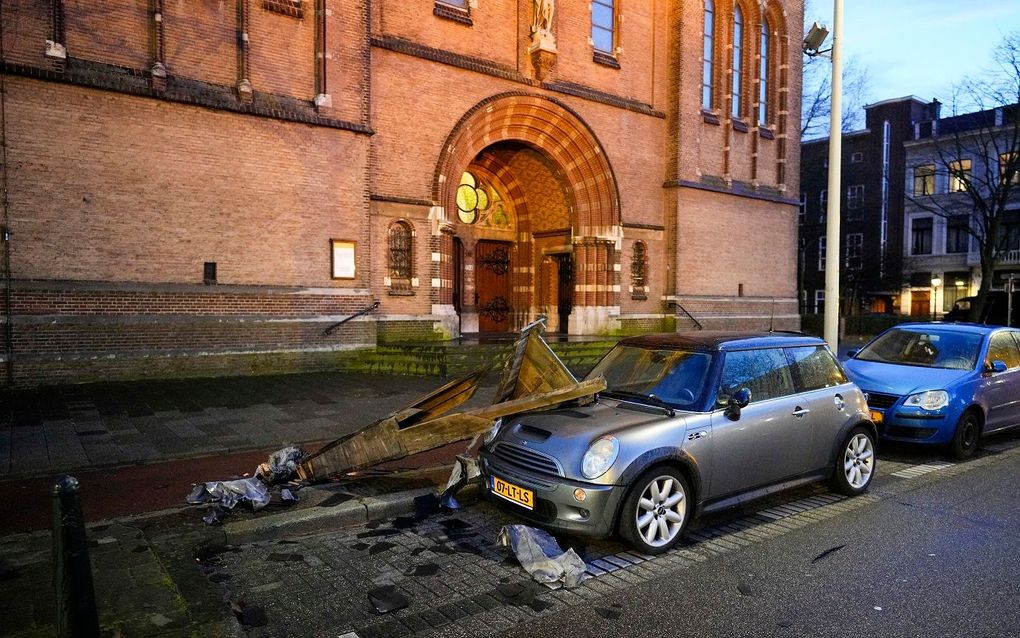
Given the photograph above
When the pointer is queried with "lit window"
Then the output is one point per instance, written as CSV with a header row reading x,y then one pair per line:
x,y
738,55
707,71
763,76
400,255
854,251
924,180
1009,168
959,176
920,236
821,254
602,25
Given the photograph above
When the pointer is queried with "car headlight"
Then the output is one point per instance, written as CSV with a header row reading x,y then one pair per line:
x,y
600,457
491,434
930,400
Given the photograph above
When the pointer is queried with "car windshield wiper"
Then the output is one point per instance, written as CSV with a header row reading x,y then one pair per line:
x,y
640,398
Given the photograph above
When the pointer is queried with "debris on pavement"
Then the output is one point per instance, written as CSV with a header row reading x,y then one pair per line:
x,y
229,493
287,496
826,553
386,599
744,589
610,613
464,471
281,465
249,615
519,595
541,556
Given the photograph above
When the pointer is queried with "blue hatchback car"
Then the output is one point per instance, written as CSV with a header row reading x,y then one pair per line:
x,y
941,383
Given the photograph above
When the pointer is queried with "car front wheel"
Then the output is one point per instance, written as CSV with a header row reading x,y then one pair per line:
x,y
656,511
855,464
968,431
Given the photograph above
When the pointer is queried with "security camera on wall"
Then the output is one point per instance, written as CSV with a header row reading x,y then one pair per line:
x,y
815,38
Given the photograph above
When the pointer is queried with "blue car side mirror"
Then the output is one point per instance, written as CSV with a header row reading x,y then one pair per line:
x,y
996,367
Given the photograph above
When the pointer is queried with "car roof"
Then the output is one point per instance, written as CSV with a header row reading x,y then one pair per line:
x,y
956,326
722,340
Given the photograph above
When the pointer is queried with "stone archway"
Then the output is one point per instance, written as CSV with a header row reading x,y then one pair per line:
x,y
553,135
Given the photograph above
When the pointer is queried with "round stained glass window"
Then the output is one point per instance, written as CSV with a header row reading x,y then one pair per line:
x,y
471,198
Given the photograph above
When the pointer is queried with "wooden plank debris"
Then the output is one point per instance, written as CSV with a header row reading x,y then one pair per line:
x,y
533,379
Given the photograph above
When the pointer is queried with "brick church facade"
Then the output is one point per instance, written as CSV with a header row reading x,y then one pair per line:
x,y
212,186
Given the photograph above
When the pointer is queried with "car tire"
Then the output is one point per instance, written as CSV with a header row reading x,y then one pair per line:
x,y
855,463
656,511
968,432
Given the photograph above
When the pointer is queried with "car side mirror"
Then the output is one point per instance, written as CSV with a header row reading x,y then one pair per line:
x,y
737,400
996,367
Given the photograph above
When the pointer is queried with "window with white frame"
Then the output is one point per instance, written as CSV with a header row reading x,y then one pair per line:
x,y
854,251
707,83
819,302
803,206
924,180
854,201
821,254
823,203
738,63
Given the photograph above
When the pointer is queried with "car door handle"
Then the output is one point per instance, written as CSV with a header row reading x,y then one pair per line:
x,y
800,412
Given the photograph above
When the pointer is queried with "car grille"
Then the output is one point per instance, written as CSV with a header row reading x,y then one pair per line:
x,y
524,459
881,401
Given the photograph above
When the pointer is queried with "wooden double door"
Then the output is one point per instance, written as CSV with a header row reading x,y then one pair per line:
x,y
492,286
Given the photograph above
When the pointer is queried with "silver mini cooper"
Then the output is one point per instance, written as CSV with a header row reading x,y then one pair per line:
x,y
688,424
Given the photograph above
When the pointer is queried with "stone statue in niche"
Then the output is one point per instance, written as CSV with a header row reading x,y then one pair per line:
x,y
542,24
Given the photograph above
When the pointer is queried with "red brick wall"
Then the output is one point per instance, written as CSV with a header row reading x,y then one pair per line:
x,y
112,31
105,186
201,40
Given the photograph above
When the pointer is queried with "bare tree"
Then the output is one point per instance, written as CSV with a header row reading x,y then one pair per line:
x,y
816,99
979,152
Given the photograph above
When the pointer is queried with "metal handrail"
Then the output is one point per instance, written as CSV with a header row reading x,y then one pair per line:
x,y
690,316
363,311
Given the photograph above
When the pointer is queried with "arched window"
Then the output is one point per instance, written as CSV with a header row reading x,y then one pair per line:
x,y
738,59
763,76
706,81
400,237
638,266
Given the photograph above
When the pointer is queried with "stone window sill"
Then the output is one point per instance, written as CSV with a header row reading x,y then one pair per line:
x,y
457,14
764,131
605,59
739,125
710,118
400,292
639,296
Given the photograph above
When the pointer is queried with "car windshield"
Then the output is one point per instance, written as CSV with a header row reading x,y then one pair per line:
x,y
927,348
672,377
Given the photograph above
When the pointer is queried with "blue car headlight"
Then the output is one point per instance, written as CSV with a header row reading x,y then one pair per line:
x,y
929,400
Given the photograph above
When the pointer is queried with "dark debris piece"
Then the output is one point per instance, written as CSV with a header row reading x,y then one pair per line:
x,y
285,558
386,599
609,613
540,605
520,595
785,623
140,549
454,523
249,615
359,546
405,522
744,589
826,553
375,533
380,547
212,517
429,569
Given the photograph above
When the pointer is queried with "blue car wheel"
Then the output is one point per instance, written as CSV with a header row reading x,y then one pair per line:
x,y
968,431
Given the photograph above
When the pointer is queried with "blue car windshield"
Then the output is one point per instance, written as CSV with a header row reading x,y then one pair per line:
x,y
927,348
673,377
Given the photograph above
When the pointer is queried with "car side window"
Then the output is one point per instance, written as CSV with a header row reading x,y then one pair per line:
x,y
765,372
815,368
1002,347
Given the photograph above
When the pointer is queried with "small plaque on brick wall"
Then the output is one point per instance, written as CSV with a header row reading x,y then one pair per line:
x,y
286,7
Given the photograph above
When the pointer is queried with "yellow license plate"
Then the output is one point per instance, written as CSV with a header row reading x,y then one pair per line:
x,y
876,416
513,493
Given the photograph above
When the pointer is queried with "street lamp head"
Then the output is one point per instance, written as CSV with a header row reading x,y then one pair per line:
x,y
936,282
815,38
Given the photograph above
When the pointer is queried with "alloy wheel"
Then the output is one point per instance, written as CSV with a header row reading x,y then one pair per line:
x,y
859,461
661,511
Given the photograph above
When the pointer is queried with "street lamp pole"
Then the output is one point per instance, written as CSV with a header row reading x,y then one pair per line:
x,y
832,252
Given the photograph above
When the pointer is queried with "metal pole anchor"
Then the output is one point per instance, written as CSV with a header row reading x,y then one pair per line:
x,y
77,616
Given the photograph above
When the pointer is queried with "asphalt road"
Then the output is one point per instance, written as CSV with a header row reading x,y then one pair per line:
x,y
941,558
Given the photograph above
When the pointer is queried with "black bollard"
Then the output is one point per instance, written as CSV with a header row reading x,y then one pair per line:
x,y
77,616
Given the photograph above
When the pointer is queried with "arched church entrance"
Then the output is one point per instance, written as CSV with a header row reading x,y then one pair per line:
x,y
530,219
